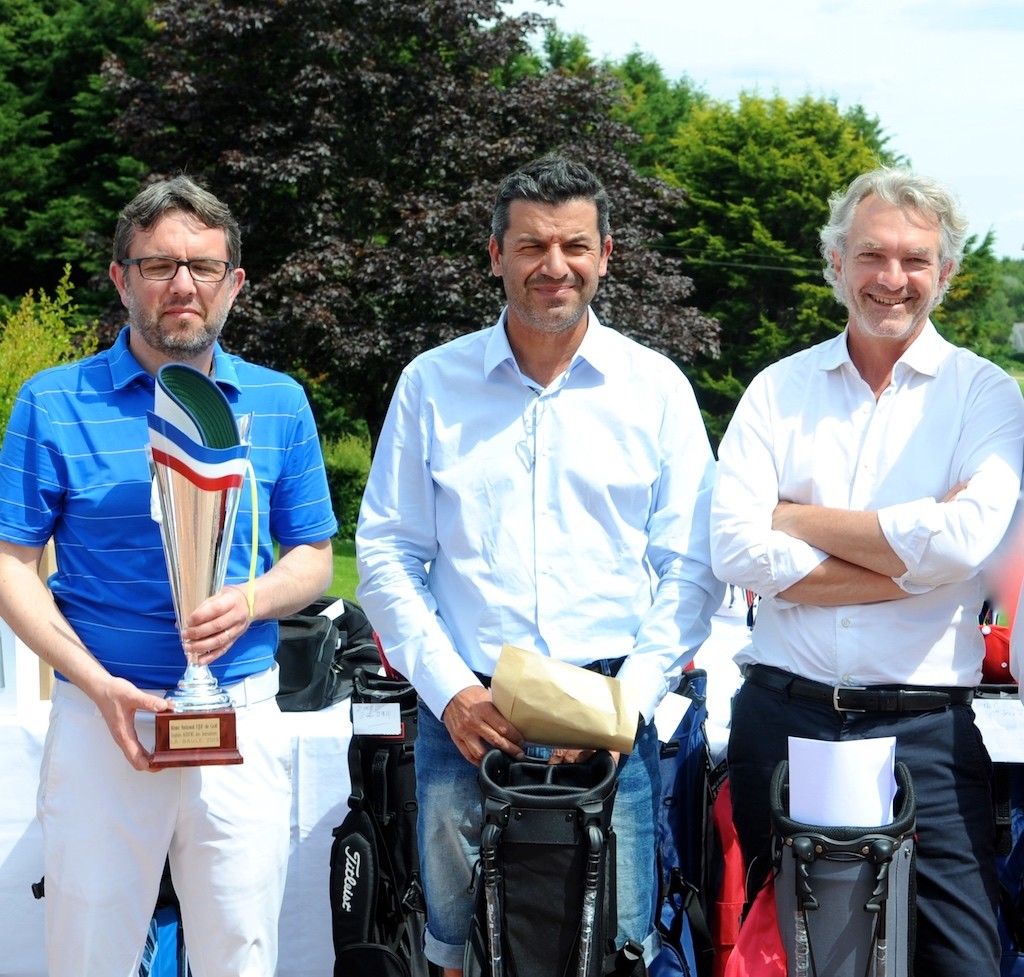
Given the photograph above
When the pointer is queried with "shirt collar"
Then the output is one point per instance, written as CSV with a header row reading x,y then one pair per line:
x,y
924,355
595,348
927,352
125,369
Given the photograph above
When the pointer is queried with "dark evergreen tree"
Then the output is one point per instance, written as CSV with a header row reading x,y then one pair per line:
x,y
63,178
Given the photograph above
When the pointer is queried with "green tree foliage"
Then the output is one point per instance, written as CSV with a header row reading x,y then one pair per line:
x,y
347,461
654,108
984,303
62,178
1008,302
39,333
968,314
757,176
361,143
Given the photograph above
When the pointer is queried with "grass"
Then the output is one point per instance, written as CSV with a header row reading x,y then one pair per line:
x,y
345,576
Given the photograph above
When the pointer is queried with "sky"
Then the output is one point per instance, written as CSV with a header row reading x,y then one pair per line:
x,y
945,78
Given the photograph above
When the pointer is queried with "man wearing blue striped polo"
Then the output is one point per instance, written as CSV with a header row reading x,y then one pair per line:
x,y
73,467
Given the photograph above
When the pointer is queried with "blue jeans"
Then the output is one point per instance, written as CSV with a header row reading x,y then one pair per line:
x,y
449,829
950,769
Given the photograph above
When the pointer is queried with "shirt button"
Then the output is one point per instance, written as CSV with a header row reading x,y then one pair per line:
x,y
845,622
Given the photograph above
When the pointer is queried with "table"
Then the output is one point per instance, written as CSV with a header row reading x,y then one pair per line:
x,y
319,803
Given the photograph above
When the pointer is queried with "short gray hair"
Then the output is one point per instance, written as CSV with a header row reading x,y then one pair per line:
x,y
179,193
902,188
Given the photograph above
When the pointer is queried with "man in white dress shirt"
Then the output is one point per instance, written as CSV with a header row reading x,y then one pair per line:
x,y
555,477
862,485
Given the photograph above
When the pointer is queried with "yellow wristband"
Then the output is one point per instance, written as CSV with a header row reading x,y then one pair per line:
x,y
248,595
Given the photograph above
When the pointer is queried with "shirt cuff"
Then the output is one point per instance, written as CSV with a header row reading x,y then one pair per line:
x,y
645,685
909,528
437,695
790,563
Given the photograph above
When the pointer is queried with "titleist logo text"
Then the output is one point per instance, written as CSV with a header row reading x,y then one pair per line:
x,y
352,862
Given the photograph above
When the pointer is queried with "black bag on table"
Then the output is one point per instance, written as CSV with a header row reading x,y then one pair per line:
x,y
377,906
319,650
545,889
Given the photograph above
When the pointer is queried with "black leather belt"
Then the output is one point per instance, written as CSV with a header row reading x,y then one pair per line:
x,y
859,698
614,664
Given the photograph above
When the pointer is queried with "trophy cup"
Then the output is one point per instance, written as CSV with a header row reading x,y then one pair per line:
x,y
198,457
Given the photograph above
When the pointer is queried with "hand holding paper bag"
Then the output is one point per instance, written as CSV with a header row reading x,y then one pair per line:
x,y
557,704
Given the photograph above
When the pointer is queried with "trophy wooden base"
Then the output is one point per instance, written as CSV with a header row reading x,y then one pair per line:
x,y
195,739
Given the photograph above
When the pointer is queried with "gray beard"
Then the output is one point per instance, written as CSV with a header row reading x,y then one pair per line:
x,y
177,345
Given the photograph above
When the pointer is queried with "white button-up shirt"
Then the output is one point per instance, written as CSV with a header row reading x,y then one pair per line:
x,y
809,430
572,521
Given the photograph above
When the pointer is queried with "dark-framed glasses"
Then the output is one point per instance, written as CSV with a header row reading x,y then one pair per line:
x,y
164,269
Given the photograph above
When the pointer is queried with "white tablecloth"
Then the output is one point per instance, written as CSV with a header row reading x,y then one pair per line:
x,y
319,803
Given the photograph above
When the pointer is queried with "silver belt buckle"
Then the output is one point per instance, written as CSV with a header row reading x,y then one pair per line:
x,y
836,689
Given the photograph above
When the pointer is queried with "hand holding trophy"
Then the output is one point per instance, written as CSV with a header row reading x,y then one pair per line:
x,y
198,461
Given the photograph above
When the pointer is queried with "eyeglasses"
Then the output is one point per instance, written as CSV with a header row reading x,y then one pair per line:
x,y
164,269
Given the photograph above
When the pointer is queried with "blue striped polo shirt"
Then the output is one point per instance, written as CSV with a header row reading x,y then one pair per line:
x,y
73,466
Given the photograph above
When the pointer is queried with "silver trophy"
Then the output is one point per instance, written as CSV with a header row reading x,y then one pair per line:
x,y
198,457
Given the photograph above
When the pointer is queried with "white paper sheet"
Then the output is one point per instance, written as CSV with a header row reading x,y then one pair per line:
x,y
1001,721
852,782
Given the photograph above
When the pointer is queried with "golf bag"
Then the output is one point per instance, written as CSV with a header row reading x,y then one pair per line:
x,y
684,838
844,895
1008,809
1008,798
377,905
165,954
545,886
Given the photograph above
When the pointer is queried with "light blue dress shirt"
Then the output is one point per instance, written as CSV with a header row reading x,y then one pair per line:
x,y
571,521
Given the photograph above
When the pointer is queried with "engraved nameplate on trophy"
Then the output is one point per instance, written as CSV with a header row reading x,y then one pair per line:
x,y
195,739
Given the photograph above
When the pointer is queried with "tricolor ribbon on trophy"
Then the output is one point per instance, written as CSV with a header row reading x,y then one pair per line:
x,y
198,458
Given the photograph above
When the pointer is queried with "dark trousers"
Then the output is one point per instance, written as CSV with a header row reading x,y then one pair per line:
x,y
950,768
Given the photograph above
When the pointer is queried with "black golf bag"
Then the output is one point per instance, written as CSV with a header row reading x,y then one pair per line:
x,y
377,903
845,895
545,887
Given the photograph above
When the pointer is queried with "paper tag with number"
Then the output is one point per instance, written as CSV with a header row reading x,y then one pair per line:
x,y
376,719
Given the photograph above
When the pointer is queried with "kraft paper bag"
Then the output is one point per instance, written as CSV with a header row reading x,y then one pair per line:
x,y
554,703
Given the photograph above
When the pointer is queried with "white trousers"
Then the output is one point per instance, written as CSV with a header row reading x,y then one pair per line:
x,y
108,828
